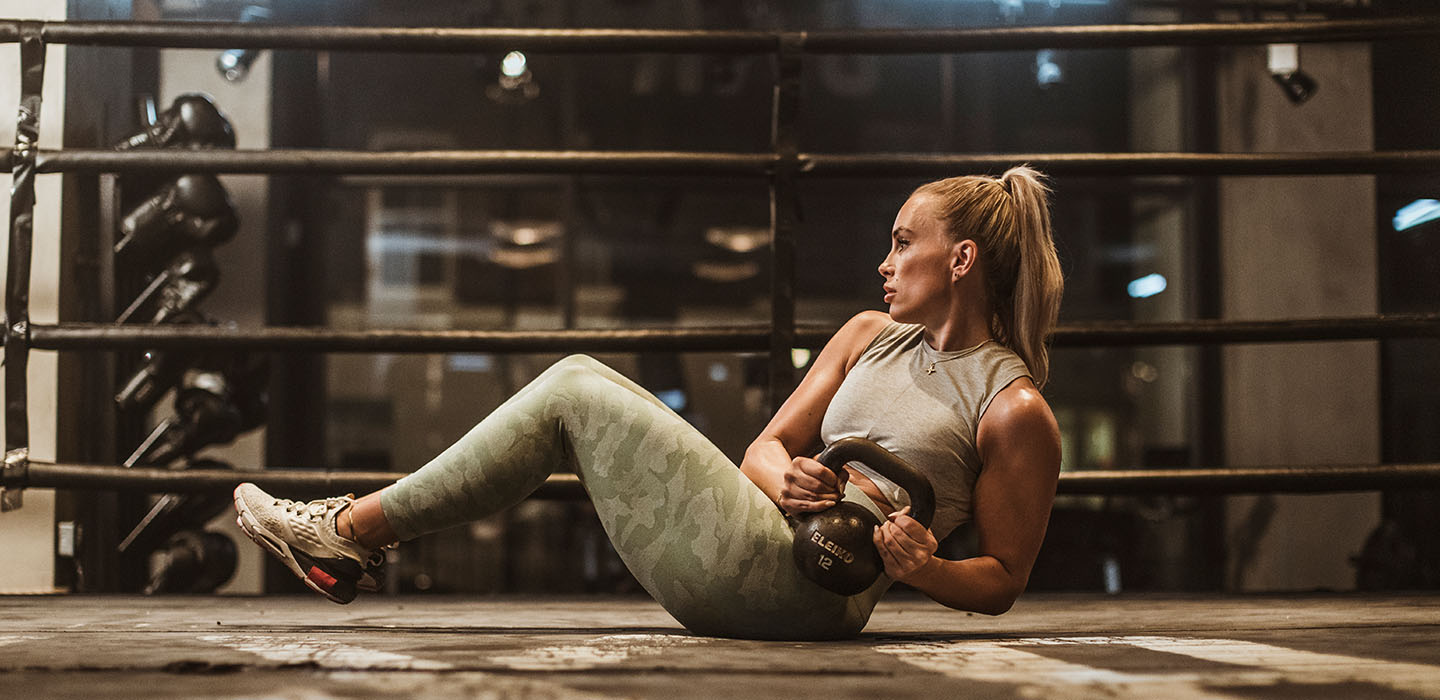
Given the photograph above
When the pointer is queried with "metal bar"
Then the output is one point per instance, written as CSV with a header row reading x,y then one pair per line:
x,y
102,336
335,162
1297,479
222,35
17,278
1123,164
479,40
1200,100
286,481
1114,36
784,217
1217,331
1216,481
77,336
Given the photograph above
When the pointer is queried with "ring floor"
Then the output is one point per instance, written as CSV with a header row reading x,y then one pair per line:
x,y
1049,646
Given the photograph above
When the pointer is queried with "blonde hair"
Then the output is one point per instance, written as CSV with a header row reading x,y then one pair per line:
x,y
1009,219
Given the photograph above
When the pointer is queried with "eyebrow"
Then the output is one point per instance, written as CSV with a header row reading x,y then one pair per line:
x,y
899,229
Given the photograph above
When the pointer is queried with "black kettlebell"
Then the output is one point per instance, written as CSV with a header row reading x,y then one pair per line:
x,y
834,548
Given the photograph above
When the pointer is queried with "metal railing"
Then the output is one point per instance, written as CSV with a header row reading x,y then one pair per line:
x,y
783,166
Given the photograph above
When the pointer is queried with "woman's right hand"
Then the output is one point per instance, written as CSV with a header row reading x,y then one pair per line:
x,y
810,486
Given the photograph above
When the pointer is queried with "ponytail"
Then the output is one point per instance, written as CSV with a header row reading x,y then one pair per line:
x,y
1009,220
1039,282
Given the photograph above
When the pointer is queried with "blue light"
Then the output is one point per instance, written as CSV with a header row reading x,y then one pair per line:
x,y
471,363
1416,213
1147,286
674,398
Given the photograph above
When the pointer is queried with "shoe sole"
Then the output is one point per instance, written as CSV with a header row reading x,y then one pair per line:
x,y
282,551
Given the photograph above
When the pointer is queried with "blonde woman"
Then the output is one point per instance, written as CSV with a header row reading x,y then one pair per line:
x,y
948,380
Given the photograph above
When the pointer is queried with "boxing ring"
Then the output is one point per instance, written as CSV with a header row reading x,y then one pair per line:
x,y
782,168
1067,646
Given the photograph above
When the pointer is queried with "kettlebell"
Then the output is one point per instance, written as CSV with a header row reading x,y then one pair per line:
x,y
833,547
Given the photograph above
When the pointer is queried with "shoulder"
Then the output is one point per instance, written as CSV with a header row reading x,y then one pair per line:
x,y
866,324
1018,417
858,333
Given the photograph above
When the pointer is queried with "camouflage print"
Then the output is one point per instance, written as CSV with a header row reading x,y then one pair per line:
x,y
695,532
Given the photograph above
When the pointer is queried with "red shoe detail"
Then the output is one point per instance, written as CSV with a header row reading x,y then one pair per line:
x,y
320,577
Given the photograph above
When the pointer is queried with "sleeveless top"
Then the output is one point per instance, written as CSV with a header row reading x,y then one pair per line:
x,y
928,419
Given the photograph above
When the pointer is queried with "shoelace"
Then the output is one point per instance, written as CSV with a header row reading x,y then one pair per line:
x,y
317,510
314,510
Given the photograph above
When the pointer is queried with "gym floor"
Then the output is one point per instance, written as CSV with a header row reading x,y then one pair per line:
x,y
1049,646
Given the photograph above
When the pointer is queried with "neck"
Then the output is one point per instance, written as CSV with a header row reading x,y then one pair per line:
x,y
964,328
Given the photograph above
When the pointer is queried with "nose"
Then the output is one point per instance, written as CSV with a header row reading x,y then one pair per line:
x,y
886,268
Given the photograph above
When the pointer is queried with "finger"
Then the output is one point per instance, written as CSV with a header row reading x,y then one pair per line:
x,y
800,494
819,472
901,543
887,558
802,480
796,491
795,506
814,484
912,527
887,537
901,562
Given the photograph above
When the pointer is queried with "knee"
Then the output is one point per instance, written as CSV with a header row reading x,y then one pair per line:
x,y
578,361
575,370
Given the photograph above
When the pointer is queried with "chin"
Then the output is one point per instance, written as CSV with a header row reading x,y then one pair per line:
x,y
900,315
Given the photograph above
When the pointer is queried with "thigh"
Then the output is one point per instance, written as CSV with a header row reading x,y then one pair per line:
x,y
695,531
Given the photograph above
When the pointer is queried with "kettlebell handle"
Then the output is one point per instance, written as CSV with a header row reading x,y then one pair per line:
x,y
884,462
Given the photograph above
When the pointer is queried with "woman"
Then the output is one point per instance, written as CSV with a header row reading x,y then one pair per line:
x,y
948,380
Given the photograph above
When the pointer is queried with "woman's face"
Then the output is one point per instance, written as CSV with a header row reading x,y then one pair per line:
x,y
917,271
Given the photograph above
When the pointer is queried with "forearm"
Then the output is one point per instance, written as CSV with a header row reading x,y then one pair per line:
x,y
978,584
765,463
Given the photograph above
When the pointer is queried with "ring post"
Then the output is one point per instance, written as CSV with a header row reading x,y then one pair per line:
x,y
17,276
784,213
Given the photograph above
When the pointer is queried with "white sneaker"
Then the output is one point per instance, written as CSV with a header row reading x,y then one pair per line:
x,y
303,536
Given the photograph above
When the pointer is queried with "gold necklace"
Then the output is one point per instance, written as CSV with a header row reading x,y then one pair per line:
x,y
963,353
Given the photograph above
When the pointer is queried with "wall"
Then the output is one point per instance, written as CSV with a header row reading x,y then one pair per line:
x,y
240,295
27,536
1298,247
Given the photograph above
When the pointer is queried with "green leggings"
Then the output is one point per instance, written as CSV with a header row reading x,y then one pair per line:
x,y
696,533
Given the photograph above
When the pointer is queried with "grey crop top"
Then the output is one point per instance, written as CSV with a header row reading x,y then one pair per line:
x,y
928,419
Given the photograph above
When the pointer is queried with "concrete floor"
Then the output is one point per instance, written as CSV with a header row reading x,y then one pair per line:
x,y
1049,646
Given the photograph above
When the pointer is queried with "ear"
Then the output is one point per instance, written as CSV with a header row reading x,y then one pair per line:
x,y
963,258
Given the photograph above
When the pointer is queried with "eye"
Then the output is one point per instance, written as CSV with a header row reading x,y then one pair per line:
x,y
901,243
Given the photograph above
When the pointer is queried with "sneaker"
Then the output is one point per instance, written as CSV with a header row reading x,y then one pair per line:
x,y
303,536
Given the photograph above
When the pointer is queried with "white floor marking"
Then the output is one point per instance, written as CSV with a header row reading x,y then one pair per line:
x,y
1040,676
1315,667
1257,664
359,665
324,653
601,651
20,638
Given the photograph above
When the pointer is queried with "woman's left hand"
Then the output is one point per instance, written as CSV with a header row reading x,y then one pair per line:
x,y
904,544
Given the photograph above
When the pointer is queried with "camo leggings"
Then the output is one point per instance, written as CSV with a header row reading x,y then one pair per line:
x,y
701,538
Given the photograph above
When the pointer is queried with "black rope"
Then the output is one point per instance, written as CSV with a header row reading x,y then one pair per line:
x,y
810,165
100,336
478,40
1208,481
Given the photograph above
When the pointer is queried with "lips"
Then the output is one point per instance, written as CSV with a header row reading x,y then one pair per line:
x,y
889,294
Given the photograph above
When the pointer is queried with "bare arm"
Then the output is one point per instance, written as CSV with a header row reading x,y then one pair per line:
x,y
778,460
1019,444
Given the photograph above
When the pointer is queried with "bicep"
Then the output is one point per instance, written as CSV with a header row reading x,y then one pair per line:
x,y
797,423
1020,446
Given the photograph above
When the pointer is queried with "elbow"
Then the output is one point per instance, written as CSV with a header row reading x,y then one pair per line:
x,y
1002,601
997,607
